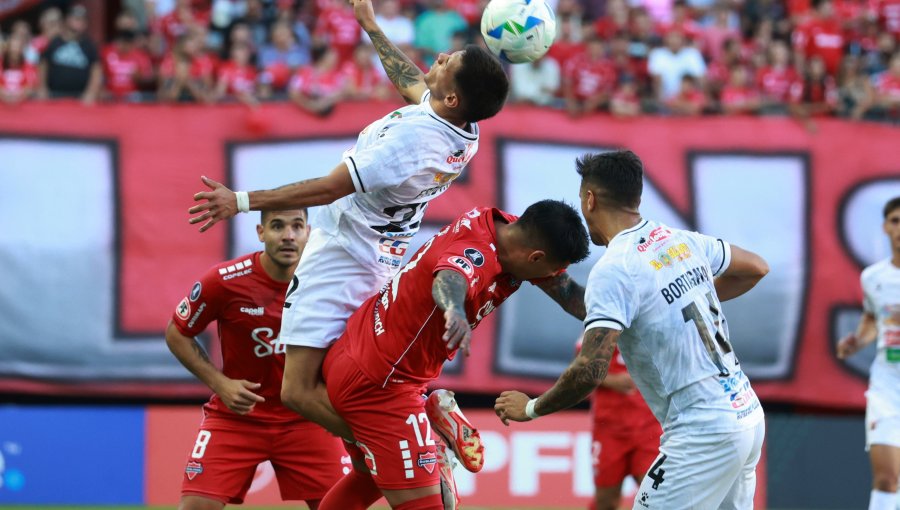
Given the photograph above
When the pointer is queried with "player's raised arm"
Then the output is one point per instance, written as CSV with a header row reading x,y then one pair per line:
x,y
404,74
743,273
567,292
449,293
237,394
582,377
222,203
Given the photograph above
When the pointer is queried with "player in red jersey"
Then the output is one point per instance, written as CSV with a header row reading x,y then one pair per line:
x,y
398,340
244,423
626,434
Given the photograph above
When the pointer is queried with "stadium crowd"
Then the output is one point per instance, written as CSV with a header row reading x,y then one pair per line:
x,y
806,58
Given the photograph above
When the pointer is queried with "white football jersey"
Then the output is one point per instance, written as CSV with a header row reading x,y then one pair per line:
x,y
399,164
881,298
655,284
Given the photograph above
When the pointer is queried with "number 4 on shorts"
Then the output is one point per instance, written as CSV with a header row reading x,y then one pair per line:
x,y
656,472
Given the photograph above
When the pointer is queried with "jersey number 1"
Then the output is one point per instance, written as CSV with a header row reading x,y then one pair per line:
x,y
715,342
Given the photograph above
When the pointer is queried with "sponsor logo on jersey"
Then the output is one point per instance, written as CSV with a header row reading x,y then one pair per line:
x,y
427,461
430,192
378,325
483,312
389,260
670,256
193,469
183,310
195,291
461,156
256,312
267,342
462,263
475,256
644,500
196,315
656,235
392,246
463,222
236,269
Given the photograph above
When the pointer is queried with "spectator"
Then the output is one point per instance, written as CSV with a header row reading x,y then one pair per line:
x,y
18,77
887,88
822,36
536,82
690,99
719,71
615,22
877,58
282,57
396,27
51,26
713,37
237,76
815,95
888,14
568,42
588,80
626,65
257,22
435,28
126,68
365,80
21,30
184,17
643,35
186,74
70,65
319,87
740,96
857,95
776,79
625,101
682,21
338,28
669,64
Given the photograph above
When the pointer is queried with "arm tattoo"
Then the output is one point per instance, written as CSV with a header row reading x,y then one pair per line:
x,y
399,68
299,183
586,372
449,290
201,353
568,293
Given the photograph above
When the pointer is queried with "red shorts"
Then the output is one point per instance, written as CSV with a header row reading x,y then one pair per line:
x,y
617,454
307,460
391,429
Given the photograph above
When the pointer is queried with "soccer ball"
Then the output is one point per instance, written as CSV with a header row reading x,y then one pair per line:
x,y
518,31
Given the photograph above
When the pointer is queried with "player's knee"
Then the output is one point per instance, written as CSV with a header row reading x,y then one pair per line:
x,y
886,480
199,503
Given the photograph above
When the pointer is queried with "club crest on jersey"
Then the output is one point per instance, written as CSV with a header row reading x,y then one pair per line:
x,y
427,461
195,291
193,469
396,115
475,256
462,263
392,246
183,310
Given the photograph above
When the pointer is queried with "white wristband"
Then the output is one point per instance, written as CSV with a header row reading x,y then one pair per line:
x,y
243,201
529,409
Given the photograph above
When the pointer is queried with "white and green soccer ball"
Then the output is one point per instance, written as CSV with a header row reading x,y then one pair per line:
x,y
518,31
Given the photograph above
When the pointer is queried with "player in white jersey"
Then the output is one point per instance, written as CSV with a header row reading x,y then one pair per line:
x,y
656,293
881,322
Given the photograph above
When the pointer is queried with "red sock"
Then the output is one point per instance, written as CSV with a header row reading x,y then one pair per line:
x,y
356,491
433,502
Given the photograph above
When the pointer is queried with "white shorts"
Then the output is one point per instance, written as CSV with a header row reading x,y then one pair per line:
x,y
329,285
884,430
703,472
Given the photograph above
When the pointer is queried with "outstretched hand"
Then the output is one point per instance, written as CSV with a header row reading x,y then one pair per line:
x,y
457,332
221,204
364,13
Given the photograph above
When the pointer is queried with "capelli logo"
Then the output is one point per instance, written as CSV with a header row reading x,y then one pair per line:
x,y
256,312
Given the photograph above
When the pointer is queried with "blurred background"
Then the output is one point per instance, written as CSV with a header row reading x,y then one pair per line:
x,y
768,123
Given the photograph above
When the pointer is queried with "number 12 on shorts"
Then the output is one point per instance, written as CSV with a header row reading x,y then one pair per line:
x,y
414,421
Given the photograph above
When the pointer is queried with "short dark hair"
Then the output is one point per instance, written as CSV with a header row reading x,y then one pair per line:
x,y
482,84
891,205
263,214
557,228
618,173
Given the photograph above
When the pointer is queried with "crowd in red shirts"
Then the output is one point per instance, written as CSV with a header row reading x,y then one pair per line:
x,y
807,58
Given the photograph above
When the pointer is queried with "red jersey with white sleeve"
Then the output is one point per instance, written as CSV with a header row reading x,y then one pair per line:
x,y
396,336
246,304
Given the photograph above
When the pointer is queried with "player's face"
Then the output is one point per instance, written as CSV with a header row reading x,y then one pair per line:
x,y
440,79
892,228
284,234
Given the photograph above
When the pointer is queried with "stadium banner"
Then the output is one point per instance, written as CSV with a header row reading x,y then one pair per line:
x,y
71,455
96,250
544,463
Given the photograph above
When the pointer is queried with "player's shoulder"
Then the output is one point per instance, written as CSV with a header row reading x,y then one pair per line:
x,y
875,270
236,268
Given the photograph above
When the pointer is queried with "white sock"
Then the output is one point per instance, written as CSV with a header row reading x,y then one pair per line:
x,y
882,500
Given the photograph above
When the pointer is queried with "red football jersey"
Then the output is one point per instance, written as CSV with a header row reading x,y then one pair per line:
x,y
246,304
590,77
775,83
121,69
239,79
617,411
396,335
823,38
339,26
18,78
888,86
